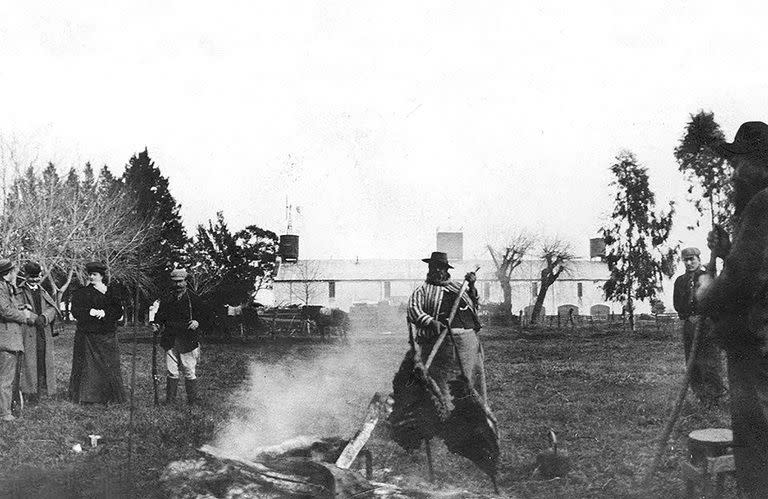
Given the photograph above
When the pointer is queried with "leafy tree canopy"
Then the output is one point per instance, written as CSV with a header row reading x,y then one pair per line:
x,y
636,236
705,171
229,267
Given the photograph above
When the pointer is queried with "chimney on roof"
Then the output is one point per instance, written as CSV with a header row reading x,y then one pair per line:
x,y
452,244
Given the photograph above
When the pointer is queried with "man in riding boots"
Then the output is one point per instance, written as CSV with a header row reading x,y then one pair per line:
x,y
428,310
180,314
706,377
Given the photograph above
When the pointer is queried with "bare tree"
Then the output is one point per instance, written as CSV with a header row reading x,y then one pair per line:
x,y
309,274
507,259
557,257
62,225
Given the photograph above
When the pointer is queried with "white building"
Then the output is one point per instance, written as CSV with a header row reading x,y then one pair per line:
x,y
341,283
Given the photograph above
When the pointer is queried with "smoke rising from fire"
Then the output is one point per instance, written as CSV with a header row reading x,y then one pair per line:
x,y
317,391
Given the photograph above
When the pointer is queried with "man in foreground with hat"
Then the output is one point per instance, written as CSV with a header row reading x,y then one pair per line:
x,y
38,374
706,377
12,317
428,310
737,301
180,314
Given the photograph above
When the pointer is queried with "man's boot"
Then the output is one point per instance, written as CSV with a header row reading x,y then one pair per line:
x,y
191,387
171,387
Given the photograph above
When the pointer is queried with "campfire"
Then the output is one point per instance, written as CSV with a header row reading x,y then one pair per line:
x,y
299,467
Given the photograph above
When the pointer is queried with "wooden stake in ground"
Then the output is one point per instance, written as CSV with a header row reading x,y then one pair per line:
x,y
356,444
132,407
155,378
672,420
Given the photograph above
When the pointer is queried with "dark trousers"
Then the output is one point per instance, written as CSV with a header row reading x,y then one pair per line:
x,y
748,378
9,362
707,374
42,378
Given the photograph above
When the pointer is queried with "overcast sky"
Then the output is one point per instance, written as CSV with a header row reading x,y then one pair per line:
x,y
383,120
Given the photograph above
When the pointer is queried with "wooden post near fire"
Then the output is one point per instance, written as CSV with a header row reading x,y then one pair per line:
x,y
377,405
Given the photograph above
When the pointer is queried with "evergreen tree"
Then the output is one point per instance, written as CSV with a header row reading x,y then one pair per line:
x,y
707,173
227,266
636,237
154,202
156,207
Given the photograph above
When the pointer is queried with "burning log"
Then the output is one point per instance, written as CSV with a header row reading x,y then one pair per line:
x,y
318,449
294,476
288,480
299,467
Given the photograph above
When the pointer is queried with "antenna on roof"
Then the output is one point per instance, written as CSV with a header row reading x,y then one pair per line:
x,y
288,216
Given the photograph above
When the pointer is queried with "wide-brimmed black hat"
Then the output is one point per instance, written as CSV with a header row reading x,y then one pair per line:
x,y
751,138
32,269
99,267
438,258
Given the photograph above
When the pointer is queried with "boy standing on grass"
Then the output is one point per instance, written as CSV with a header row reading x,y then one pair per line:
x,y
181,314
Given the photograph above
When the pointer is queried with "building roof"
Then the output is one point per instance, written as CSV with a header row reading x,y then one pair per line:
x,y
415,270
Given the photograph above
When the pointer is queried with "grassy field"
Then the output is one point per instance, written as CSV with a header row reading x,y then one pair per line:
x,y
606,393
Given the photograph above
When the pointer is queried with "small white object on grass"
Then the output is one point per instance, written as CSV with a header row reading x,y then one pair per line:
x,y
77,448
94,440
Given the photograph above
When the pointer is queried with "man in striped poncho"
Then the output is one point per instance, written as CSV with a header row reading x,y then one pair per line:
x,y
429,307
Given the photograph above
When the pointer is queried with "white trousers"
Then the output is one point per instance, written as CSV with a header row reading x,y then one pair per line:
x,y
186,362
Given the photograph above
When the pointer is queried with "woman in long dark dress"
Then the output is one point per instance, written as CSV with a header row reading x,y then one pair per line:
x,y
96,376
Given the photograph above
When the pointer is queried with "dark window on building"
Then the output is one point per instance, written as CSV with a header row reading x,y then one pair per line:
x,y
387,290
580,289
331,289
535,289
486,290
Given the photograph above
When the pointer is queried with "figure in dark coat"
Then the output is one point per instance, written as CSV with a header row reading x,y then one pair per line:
x,y
38,372
181,314
706,377
96,376
737,300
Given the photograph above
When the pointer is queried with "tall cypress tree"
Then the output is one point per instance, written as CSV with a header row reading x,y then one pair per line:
x,y
636,237
154,202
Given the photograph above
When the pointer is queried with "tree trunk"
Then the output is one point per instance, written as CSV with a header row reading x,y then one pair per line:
x,y
631,313
539,303
506,289
136,306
